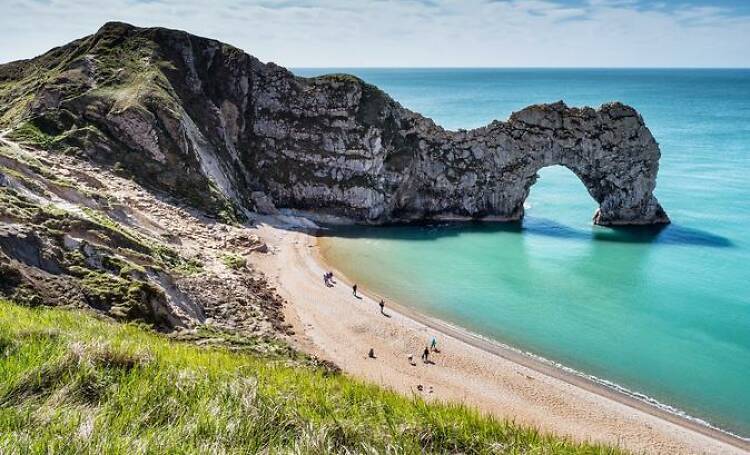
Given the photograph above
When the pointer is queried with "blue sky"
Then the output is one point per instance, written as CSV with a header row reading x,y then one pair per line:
x,y
415,33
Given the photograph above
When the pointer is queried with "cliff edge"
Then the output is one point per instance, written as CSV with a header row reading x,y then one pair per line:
x,y
206,122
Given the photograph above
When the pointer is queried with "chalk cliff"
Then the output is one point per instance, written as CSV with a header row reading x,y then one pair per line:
x,y
205,121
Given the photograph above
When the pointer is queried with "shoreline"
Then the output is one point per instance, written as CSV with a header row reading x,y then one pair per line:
x,y
583,408
549,367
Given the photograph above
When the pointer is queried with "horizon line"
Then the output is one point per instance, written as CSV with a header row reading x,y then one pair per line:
x,y
527,67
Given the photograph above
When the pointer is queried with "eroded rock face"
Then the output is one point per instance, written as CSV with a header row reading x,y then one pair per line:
x,y
208,117
77,235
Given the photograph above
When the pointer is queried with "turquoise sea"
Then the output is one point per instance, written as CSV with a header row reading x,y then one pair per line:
x,y
665,314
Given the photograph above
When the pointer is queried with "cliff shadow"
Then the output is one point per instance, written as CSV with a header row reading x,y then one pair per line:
x,y
672,234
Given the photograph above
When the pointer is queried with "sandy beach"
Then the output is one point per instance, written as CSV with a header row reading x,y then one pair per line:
x,y
331,323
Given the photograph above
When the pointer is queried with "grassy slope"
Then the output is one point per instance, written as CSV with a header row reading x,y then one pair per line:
x,y
71,383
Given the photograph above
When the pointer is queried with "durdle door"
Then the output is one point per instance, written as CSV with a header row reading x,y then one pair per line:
x,y
217,127
489,171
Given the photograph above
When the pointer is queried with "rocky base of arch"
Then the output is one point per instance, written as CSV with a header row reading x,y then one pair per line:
x,y
651,214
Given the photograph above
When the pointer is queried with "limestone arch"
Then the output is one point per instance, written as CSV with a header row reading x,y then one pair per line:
x,y
609,149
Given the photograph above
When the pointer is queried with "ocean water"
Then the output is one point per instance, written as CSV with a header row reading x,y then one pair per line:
x,y
665,313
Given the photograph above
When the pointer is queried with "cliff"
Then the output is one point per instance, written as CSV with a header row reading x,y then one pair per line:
x,y
210,124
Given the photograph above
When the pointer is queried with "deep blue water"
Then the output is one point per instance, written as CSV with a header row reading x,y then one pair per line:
x,y
666,313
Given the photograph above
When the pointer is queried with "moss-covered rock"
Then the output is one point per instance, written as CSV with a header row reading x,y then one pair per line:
x,y
49,255
234,261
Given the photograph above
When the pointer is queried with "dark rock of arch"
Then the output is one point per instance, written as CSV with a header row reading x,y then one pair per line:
x,y
609,149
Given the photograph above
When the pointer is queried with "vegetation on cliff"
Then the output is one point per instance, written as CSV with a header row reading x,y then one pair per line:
x,y
59,253
91,97
72,383
79,235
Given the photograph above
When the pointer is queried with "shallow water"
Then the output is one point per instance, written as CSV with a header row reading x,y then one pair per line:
x,y
661,312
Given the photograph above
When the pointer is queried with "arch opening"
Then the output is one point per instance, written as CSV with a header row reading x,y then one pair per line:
x,y
558,194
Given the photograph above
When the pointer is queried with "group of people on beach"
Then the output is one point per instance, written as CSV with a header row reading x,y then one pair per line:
x,y
432,347
328,279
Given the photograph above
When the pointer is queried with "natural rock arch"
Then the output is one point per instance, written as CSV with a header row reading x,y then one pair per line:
x,y
383,163
610,150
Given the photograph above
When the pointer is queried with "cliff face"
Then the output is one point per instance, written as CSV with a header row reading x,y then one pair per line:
x,y
205,121
78,235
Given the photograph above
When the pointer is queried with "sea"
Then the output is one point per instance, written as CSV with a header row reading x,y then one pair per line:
x,y
661,314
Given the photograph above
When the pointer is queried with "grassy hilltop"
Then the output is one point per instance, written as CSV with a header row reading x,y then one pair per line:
x,y
74,383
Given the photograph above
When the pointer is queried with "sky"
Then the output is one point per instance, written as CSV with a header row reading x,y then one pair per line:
x,y
415,33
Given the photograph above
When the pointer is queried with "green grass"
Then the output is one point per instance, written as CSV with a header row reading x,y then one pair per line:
x,y
30,134
338,77
233,261
72,383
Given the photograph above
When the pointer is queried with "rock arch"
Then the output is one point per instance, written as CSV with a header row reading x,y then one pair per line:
x,y
610,150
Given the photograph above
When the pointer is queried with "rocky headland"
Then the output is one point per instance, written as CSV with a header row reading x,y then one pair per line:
x,y
129,159
205,121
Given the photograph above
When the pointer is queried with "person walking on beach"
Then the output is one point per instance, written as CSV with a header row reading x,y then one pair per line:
x,y
382,306
354,290
426,355
433,344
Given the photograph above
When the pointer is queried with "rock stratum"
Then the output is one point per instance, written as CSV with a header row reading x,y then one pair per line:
x,y
206,122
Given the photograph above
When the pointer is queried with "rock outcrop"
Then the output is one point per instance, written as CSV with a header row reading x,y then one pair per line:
x,y
205,121
74,234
